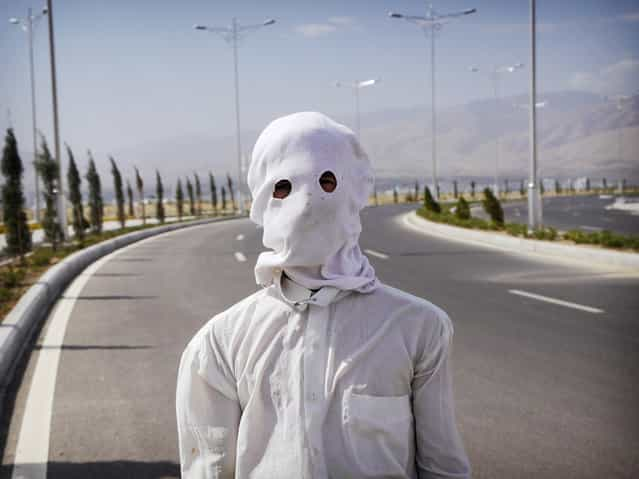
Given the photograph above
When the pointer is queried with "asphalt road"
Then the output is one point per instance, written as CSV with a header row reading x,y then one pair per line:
x,y
585,213
542,390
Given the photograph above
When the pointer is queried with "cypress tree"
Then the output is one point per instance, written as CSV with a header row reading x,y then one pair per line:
x,y
17,234
522,189
159,192
506,187
472,189
140,187
223,199
493,207
119,193
429,203
129,193
189,190
48,170
463,209
213,193
455,192
557,187
604,184
229,182
75,196
416,191
395,195
179,199
198,194
542,188
96,205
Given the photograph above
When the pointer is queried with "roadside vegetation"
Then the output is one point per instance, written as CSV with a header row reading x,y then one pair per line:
x,y
22,262
458,214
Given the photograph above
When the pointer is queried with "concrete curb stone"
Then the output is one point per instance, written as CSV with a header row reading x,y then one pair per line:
x,y
620,259
34,305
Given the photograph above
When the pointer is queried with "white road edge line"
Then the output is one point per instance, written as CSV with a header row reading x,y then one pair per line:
x,y
560,302
372,252
239,237
32,449
240,256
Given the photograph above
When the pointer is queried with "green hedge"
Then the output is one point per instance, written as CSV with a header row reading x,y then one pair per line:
x,y
602,238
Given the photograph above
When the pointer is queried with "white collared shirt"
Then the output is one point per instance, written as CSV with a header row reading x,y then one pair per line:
x,y
293,384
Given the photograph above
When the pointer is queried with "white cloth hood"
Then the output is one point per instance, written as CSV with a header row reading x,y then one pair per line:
x,y
313,234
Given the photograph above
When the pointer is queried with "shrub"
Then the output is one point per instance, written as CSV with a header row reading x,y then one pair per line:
x,y
492,206
462,210
429,203
41,257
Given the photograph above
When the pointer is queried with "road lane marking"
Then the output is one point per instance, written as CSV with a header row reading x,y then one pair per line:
x,y
560,302
592,228
239,237
32,449
376,253
239,256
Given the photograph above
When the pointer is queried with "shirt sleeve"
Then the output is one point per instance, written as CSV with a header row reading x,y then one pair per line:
x,y
208,411
439,449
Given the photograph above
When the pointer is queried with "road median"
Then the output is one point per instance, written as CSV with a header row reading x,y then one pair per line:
x,y
585,254
33,307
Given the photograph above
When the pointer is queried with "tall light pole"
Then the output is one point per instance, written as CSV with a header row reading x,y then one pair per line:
x,y
495,77
431,24
534,199
356,86
231,35
62,207
27,25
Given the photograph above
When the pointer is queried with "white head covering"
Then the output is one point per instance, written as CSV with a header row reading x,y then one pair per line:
x,y
313,233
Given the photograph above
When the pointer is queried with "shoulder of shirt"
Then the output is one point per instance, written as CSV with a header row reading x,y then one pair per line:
x,y
415,308
231,319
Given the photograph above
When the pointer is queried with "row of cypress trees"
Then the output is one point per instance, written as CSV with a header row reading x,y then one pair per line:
x,y
17,233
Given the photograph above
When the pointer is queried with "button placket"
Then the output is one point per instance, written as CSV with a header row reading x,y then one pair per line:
x,y
315,358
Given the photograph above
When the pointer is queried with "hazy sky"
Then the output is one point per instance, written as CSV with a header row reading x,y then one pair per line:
x,y
134,72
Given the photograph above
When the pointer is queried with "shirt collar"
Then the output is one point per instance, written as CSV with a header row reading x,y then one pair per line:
x,y
300,297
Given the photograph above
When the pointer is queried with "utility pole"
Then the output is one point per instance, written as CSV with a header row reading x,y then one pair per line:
x,y
62,207
534,200
232,35
431,24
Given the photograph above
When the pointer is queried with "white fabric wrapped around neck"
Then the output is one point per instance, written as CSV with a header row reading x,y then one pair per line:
x,y
313,234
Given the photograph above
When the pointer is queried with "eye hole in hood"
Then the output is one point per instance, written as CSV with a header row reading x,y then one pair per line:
x,y
328,182
282,189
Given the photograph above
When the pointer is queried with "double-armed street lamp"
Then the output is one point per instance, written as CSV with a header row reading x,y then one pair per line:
x,y
356,86
231,35
27,24
431,24
495,75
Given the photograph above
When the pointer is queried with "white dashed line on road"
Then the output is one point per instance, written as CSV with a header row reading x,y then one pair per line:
x,y
560,302
239,237
239,256
376,253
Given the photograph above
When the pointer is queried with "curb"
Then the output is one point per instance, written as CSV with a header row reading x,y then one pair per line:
x,y
585,254
34,305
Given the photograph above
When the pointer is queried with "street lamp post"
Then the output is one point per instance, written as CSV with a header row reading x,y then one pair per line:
x,y
356,87
231,35
62,207
27,25
495,76
534,200
430,24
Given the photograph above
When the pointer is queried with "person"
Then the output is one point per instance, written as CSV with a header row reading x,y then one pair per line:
x,y
325,371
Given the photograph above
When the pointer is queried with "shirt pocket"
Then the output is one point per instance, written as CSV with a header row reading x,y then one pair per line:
x,y
379,433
